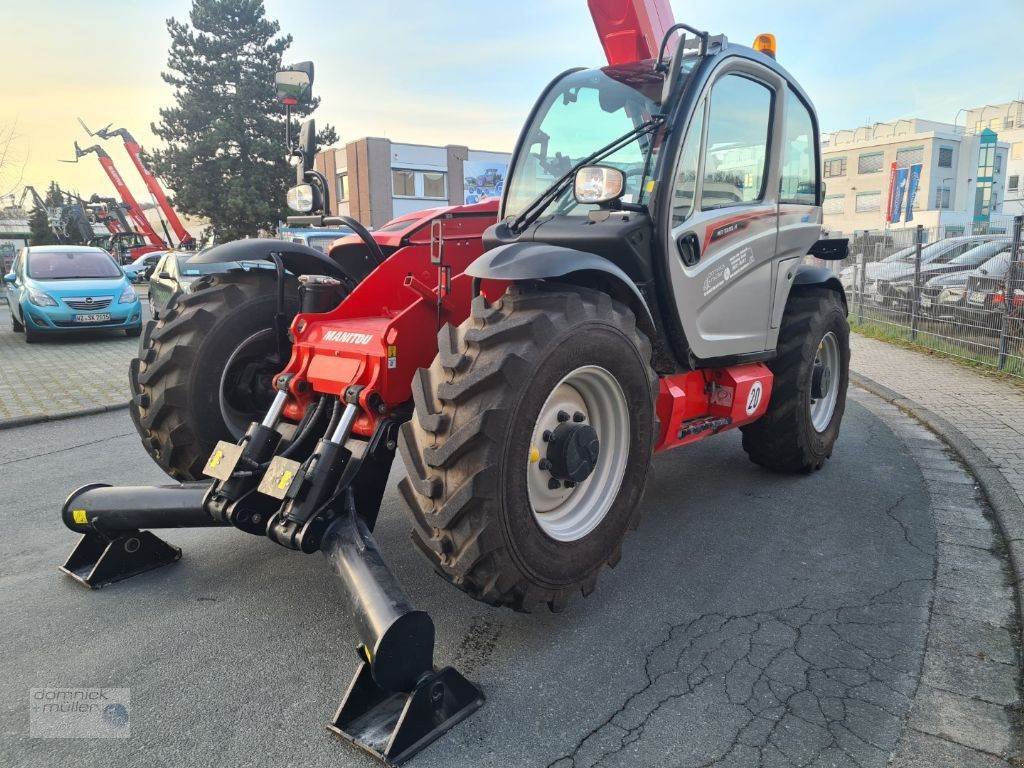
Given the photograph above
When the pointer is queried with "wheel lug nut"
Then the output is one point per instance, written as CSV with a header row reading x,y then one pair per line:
x,y
544,464
553,484
546,437
563,416
578,417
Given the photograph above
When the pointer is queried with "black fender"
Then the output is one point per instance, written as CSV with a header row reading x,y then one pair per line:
x,y
810,276
297,258
542,261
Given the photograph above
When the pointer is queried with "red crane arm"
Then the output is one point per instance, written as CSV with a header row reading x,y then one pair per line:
x,y
134,211
135,153
631,30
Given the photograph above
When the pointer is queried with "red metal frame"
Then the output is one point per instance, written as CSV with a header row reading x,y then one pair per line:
x,y
134,212
630,30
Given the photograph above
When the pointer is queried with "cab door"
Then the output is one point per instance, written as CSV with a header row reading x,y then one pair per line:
x,y
724,218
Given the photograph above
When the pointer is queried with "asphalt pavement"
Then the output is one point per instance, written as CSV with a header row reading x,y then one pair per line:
x,y
754,619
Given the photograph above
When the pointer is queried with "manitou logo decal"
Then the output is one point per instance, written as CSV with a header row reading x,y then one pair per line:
x,y
348,337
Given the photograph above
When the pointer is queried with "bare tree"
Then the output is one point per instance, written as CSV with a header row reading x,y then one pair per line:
x,y
13,157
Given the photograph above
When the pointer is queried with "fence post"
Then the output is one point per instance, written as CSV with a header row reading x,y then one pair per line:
x,y
916,300
1009,286
862,267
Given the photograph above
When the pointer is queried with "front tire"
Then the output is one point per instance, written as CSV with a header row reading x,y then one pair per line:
x,y
15,325
472,449
177,381
812,368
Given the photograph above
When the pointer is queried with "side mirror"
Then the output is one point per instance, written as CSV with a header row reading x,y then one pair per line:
x,y
596,184
294,83
165,275
832,249
11,278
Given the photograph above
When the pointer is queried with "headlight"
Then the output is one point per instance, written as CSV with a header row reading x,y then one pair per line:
x,y
300,198
128,295
41,299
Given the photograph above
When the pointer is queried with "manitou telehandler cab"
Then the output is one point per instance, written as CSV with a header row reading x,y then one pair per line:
x,y
643,287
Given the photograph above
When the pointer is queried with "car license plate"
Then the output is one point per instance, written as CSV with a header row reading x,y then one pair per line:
x,y
95,317
926,302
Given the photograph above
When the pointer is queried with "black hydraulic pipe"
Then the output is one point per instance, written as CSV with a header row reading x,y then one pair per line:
x,y
398,640
108,510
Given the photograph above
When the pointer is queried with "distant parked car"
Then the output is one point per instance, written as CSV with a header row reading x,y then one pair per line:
x,y
65,288
880,275
318,238
988,296
173,275
899,292
944,297
140,269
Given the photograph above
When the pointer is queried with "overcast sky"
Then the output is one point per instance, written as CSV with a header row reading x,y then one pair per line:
x,y
467,71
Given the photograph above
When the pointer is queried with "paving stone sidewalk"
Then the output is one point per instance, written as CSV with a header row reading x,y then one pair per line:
x,y
63,374
989,411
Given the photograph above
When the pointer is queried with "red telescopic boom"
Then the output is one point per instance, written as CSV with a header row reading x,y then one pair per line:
x,y
134,150
138,218
631,30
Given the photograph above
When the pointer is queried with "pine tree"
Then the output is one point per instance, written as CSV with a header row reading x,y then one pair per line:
x,y
40,231
224,153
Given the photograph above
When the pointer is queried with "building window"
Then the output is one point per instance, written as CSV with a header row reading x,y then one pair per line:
x,y
868,202
834,205
909,156
403,183
434,185
945,157
342,187
999,163
799,162
870,163
1013,184
736,150
835,167
942,198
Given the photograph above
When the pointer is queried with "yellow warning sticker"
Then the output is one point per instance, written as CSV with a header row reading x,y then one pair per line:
x,y
80,516
534,455
286,480
215,459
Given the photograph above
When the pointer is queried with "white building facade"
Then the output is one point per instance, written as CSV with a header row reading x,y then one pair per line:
x,y
955,179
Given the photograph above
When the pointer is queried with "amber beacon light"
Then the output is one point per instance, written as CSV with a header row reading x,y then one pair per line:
x,y
765,43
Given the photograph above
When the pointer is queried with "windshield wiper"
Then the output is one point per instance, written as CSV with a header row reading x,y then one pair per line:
x,y
536,207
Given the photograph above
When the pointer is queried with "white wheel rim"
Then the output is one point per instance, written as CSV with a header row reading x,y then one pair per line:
x,y
570,513
824,406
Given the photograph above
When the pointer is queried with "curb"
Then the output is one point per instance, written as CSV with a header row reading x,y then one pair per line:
x,y
24,421
1001,497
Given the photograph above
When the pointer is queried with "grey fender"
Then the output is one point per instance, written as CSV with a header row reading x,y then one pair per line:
x,y
541,261
297,258
810,276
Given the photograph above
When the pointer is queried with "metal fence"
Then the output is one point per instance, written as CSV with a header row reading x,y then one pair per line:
x,y
957,291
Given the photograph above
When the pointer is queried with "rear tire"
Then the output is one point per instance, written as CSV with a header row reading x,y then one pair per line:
x,y
176,379
469,448
786,438
15,325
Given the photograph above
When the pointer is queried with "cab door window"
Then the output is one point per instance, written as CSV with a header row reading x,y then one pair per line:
x,y
799,155
684,188
736,152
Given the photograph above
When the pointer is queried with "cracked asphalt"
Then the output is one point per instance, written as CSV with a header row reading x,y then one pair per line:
x,y
754,620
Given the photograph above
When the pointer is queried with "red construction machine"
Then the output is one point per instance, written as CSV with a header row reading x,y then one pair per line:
x,y
134,150
640,286
131,209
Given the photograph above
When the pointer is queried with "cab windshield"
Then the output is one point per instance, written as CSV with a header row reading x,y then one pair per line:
x,y
582,113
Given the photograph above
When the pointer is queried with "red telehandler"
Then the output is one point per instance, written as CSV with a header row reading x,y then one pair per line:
x,y
640,286
131,207
134,150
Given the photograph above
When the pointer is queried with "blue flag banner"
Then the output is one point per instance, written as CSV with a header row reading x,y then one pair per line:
x,y
912,187
899,190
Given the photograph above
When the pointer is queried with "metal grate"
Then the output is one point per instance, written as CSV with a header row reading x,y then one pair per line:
x,y
89,302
